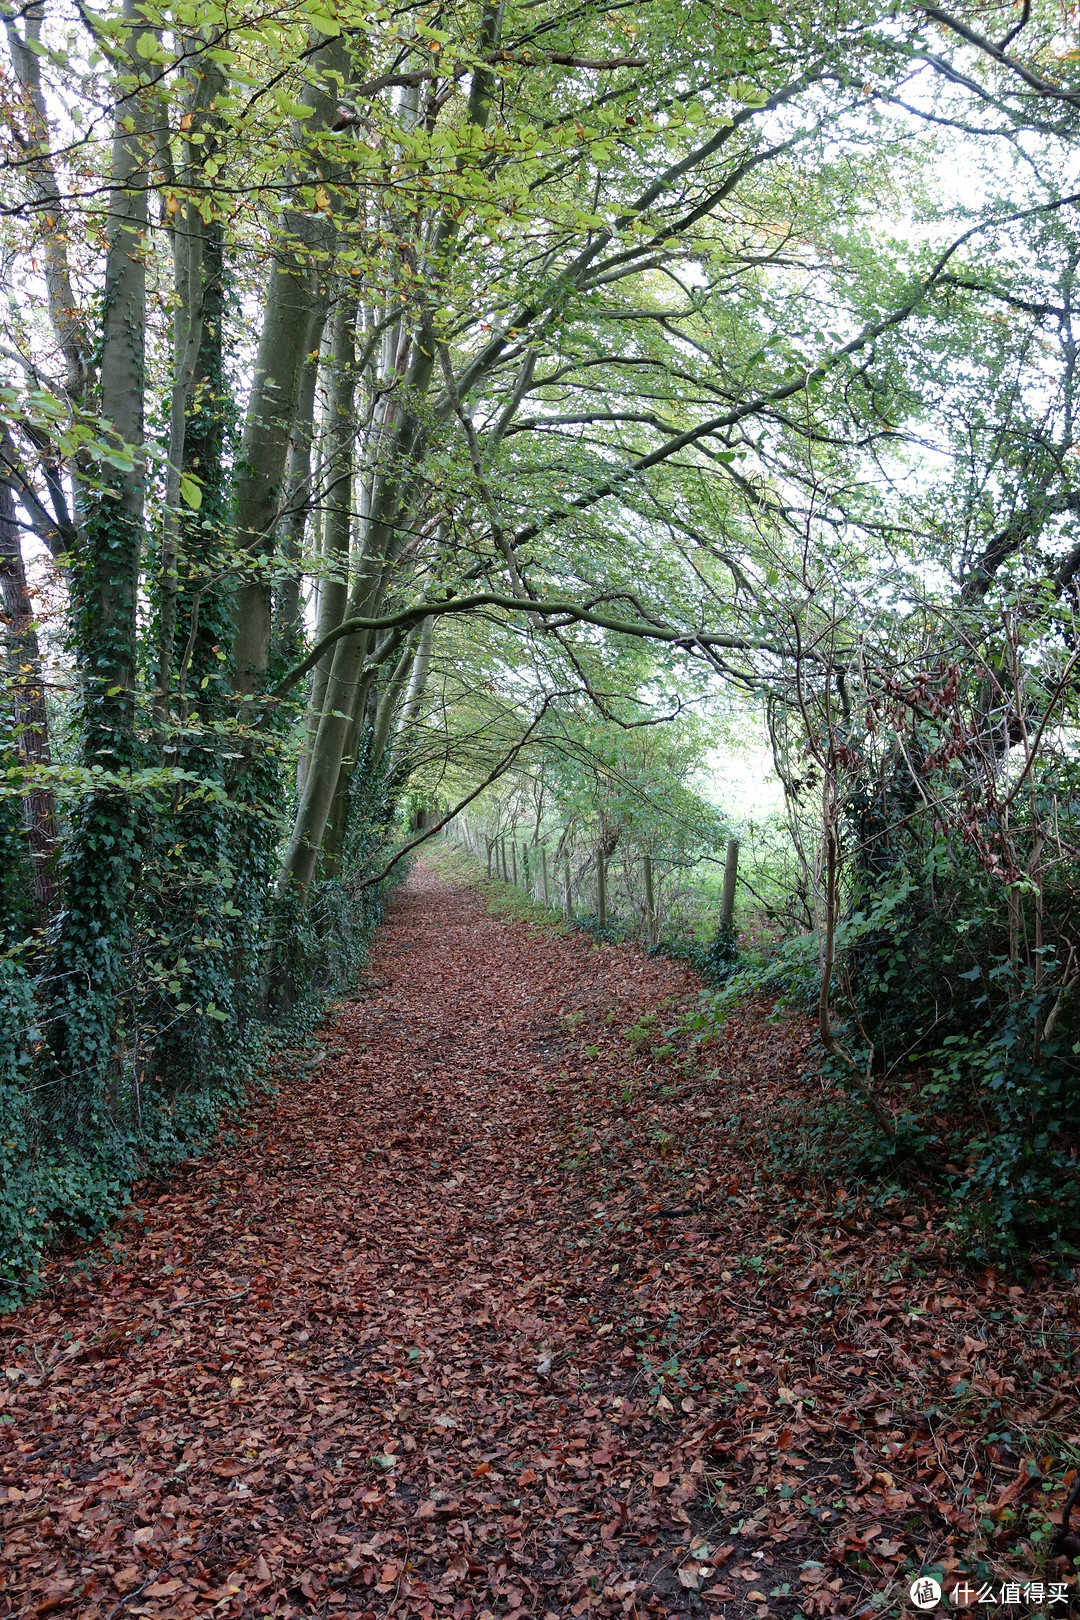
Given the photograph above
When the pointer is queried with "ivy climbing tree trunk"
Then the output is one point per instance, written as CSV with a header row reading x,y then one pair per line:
x,y
27,717
189,234
101,858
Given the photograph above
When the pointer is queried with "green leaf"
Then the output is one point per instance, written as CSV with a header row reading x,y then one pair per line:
x,y
190,492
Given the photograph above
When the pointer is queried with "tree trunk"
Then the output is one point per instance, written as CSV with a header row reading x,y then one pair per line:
x,y
22,660
89,966
291,301
391,698
410,711
651,929
288,635
383,543
386,531
108,571
731,877
339,430
189,235
26,52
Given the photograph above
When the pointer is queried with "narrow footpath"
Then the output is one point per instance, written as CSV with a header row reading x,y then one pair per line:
x,y
487,1316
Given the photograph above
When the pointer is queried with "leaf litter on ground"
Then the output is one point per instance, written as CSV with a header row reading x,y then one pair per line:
x,y
495,1312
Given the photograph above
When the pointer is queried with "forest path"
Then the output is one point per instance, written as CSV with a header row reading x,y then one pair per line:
x,y
484,1317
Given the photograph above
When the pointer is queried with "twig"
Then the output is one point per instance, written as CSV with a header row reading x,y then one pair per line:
x,y
429,832
115,1610
219,1299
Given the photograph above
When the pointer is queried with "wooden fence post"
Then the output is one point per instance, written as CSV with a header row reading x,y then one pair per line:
x,y
651,920
513,860
731,873
525,870
543,873
601,891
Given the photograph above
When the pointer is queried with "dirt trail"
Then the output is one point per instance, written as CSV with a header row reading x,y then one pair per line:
x,y
482,1318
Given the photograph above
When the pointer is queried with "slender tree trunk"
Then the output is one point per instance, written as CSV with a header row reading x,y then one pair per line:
x,y
263,451
385,529
26,53
189,235
339,431
102,857
109,569
203,621
288,610
337,823
22,660
391,698
291,301
731,878
383,543
651,929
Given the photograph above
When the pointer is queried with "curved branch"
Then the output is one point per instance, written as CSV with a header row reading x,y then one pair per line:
x,y
569,612
997,54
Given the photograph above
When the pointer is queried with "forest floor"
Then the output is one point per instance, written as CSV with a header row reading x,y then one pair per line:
x,y
500,1312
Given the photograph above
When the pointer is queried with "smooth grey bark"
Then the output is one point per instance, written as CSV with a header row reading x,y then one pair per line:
x,y
123,340
288,612
263,451
291,300
339,431
334,837
385,528
731,878
41,178
414,697
393,486
391,698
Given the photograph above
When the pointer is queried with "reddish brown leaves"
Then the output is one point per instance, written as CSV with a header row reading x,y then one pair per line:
x,y
493,1314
